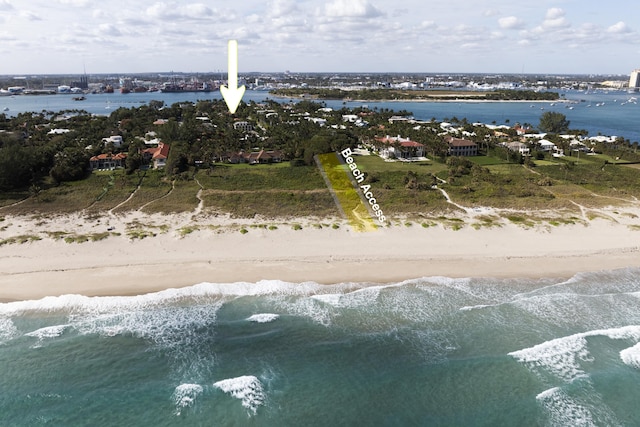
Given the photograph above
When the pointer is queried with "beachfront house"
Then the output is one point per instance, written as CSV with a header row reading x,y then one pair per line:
x,y
396,147
461,147
107,161
156,156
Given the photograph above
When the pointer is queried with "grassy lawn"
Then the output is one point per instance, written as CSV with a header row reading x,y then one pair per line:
x,y
261,177
487,160
374,163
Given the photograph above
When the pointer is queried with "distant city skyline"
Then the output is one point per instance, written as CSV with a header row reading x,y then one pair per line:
x,y
493,36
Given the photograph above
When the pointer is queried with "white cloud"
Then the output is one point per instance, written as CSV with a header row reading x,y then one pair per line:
x,y
74,2
619,28
351,9
282,7
5,5
510,23
109,30
173,11
428,24
29,15
555,19
99,14
554,13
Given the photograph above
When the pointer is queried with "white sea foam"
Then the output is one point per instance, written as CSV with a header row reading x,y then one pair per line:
x,y
198,292
7,329
263,318
358,298
246,388
47,332
475,307
561,356
564,410
185,395
631,356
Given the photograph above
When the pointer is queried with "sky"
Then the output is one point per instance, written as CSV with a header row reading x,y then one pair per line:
x,y
422,36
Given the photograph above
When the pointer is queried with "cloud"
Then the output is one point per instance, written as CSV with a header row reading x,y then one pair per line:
x,y
555,19
282,8
428,25
619,28
109,30
165,11
351,9
80,3
5,5
29,15
510,23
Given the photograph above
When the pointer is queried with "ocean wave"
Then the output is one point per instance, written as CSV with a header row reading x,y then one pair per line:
x,y
263,318
46,332
631,356
564,410
7,329
561,356
185,395
247,388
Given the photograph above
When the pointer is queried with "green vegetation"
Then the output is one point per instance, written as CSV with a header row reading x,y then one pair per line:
x,y
43,173
553,122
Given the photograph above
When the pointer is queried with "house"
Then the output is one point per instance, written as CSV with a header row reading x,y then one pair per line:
x,y
116,140
550,147
522,130
400,148
262,156
107,161
519,147
156,156
461,147
254,157
243,126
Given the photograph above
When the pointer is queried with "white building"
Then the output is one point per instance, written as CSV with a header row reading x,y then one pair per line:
x,y
116,140
634,80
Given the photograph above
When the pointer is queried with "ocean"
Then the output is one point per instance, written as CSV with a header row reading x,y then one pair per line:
x,y
430,351
599,112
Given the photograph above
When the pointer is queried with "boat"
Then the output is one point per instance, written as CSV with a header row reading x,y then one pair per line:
x,y
79,98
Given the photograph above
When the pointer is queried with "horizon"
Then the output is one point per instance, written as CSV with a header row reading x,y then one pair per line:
x,y
552,37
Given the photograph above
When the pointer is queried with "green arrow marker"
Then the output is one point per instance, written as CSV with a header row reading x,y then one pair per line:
x,y
231,93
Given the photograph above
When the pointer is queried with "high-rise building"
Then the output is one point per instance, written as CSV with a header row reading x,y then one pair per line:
x,y
634,80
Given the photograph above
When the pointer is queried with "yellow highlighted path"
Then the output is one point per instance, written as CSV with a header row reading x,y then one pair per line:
x,y
345,194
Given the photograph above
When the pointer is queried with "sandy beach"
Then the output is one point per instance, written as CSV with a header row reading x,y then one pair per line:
x,y
187,250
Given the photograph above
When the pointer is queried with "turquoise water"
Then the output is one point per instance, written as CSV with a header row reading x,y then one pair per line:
x,y
429,351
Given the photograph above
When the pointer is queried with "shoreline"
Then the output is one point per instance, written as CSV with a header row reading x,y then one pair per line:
x,y
217,252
